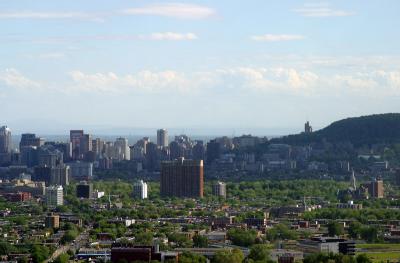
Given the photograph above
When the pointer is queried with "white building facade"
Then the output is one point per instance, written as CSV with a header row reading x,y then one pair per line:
x,y
140,190
54,196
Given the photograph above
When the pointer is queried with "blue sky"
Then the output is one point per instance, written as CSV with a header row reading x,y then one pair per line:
x,y
254,66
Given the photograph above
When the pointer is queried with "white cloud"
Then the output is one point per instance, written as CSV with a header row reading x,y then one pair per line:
x,y
248,79
14,79
142,81
47,56
237,80
321,10
50,15
53,55
357,83
275,80
176,10
275,38
169,36
379,83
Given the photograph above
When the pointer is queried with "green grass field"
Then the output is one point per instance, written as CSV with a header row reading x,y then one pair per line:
x,y
380,252
384,256
378,246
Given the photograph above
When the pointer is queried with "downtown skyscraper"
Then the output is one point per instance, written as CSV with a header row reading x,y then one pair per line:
x,y
5,140
162,138
182,178
81,144
5,145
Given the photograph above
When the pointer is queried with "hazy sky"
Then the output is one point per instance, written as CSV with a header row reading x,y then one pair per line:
x,y
196,64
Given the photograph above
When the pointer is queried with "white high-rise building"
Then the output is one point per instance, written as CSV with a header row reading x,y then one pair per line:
x,y
54,196
122,149
5,140
140,190
162,138
219,189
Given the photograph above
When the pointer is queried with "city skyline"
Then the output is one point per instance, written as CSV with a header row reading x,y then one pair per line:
x,y
199,131
196,64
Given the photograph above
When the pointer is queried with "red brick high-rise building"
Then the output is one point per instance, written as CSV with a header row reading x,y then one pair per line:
x,y
182,178
376,189
81,144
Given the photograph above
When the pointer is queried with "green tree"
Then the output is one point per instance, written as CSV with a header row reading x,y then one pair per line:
x,y
144,238
241,237
6,248
181,240
259,252
188,257
370,234
20,220
281,231
23,259
63,258
355,229
200,241
335,229
40,253
69,236
223,256
362,258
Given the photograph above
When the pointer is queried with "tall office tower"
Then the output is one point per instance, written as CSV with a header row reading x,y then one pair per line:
x,y
376,188
152,157
219,189
54,196
63,147
199,151
5,145
140,190
30,139
81,171
307,128
60,175
213,151
162,138
29,156
108,150
84,190
122,149
49,156
97,147
137,152
183,139
143,143
176,150
182,178
81,144
86,144
75,138
5,140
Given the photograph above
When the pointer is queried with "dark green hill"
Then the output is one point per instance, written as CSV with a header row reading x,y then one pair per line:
x,y
378,128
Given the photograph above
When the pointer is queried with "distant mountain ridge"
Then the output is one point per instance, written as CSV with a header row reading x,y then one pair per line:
x,y
377,128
